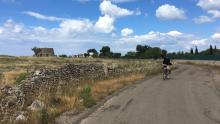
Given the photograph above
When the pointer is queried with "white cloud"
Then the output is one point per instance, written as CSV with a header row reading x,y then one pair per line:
x,y
174,33
216,36
203,19
199,42
18,28
82,35
170,12
72,25
153,36
68,30
209,4
43,17
212,7
105,24
215,13
126,32
1,30
110,11
172,40
10,26
107,8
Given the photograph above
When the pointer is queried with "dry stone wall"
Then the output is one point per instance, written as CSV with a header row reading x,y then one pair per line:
x,y
47,81
43,82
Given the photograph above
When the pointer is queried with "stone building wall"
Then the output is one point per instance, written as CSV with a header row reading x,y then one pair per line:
x,y
44,52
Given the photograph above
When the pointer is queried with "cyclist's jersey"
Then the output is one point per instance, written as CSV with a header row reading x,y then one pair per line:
x,y
166,61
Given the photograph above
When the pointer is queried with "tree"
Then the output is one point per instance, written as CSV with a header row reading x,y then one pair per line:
x,y
130,55
36,50
141,49
153,53
172,55
116,55
164,52
191,51
210,50
182,53
196,51
105,51
215,50
86,54
63,56
93,51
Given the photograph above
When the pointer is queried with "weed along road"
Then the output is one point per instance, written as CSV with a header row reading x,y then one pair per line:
x,y
189,97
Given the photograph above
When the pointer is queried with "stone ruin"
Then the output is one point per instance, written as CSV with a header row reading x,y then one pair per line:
x,y
43,52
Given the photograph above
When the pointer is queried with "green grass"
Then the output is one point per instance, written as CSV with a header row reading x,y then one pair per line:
x,y
20,78
86,95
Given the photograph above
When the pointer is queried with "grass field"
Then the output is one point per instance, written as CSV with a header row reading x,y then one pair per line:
x,y
12,68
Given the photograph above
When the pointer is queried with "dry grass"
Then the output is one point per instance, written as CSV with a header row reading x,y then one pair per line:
x,y
10,77
10,67
70,100
66,99
100,90
104,88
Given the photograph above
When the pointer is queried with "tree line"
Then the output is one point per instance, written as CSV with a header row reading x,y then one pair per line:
x,y
105,52
142,52
211,53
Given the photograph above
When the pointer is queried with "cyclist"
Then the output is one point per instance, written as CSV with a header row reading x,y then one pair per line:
x,y
166,62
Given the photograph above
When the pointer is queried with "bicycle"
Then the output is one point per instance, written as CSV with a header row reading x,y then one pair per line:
x,y
165,72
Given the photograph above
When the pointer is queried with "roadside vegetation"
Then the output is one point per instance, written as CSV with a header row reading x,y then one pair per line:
x,y
87,94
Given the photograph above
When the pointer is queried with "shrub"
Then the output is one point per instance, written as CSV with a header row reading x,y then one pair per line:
x,y
44,116
85,94
63,55
20,77
55,101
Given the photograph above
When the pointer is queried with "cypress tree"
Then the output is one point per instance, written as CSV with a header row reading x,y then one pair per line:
x,y
196,51
191,51
211,50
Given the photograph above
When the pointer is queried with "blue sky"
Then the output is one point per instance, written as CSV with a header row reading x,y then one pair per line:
x,y
73,26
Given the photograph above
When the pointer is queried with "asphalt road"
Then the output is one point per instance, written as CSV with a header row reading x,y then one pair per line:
x,y
189,97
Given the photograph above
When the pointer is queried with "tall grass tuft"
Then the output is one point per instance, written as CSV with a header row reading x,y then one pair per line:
x,y
86,95
20,77
44,116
